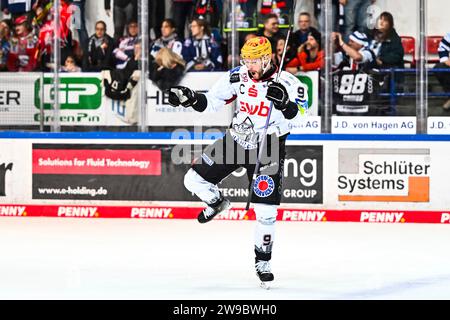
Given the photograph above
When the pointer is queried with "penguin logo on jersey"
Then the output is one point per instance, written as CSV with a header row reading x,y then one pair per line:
x,y
264,186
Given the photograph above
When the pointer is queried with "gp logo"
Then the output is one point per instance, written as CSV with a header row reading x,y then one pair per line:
x,y
261,110
74,93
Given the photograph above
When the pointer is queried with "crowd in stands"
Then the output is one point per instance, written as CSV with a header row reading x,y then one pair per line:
x,y
26,37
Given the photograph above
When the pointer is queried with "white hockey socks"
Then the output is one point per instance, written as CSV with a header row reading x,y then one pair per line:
x,y
266,216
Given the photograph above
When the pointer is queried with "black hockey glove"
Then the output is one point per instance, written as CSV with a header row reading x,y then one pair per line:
x,y
183,96
278,94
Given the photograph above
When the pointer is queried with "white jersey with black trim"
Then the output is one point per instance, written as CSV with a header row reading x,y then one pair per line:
x,y
253,107
444,48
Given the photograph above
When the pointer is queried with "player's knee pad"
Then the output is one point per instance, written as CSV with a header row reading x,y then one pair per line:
x,y
266,214
193,181
206,191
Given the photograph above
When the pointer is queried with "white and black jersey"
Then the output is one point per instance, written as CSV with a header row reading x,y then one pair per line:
x,y
253,107
444,48
343,61
353,92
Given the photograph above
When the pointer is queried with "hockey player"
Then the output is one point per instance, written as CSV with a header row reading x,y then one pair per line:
x,y
252,86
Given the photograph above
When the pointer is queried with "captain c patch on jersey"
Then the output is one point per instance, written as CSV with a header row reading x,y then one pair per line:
x,y
264,186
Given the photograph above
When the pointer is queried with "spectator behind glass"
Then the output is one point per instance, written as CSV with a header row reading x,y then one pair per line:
x,y
156,14
249,8
124,12
291,52
182,9
5,35
355,12
304,23
23,47
271,29
209,11
355,55
125,51
444,63
386,44
169,39
167,70
273,6
70,65
100,50
200,51
310,55
40,15
335,14
79,22
46,33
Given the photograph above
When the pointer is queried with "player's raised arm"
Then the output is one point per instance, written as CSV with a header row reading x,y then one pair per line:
x,y
180,96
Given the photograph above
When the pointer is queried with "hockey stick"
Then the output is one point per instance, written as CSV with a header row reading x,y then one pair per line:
x,y
266,126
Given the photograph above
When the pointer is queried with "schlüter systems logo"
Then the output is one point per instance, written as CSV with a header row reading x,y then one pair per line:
x,y
75,93
384,175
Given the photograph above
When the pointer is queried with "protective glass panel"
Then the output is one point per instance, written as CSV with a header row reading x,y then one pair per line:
x,y
373,77
275,19
88,52
437,47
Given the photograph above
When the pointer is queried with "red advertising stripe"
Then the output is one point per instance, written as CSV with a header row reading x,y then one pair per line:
x,y
99,162
172,212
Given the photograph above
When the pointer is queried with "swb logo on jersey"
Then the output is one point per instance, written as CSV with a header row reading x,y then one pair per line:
x,y
264,186
261,109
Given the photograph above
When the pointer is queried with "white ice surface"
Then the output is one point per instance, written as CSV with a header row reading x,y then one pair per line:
x,y
50,258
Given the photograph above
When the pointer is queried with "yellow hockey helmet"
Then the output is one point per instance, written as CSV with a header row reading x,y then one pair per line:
x,y
255,48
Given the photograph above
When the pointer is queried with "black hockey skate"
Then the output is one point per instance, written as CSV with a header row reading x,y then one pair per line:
x,y
264,273
214,209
